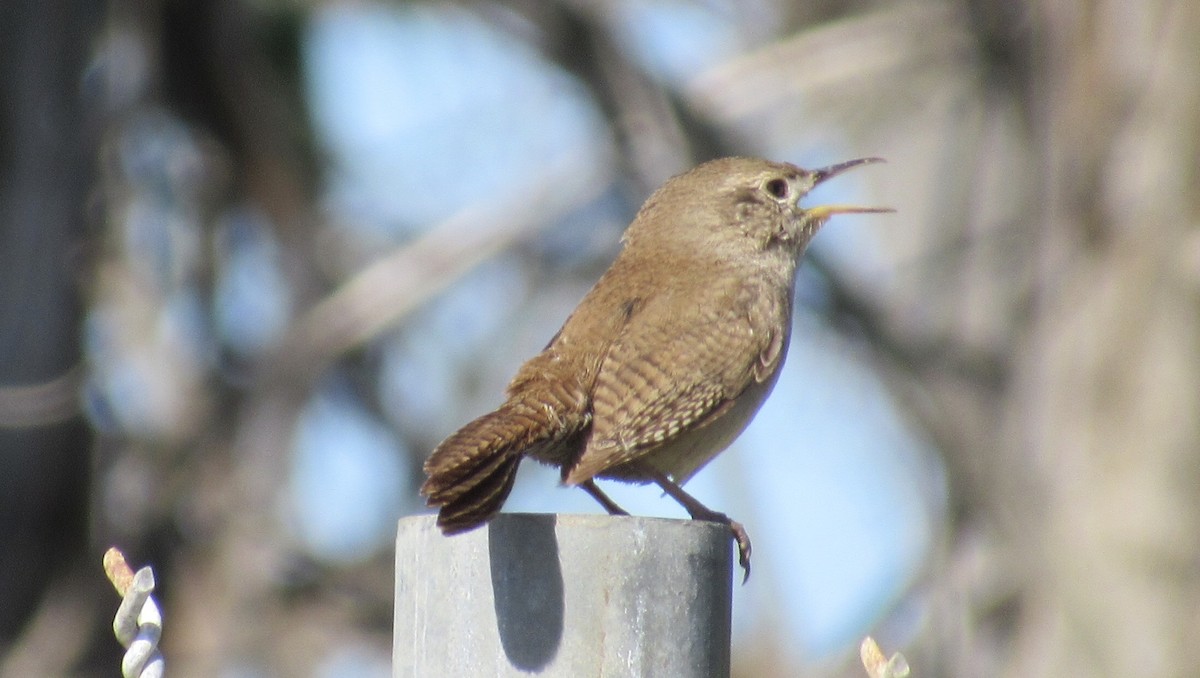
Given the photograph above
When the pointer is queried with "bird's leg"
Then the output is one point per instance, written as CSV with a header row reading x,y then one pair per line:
x,y
699,511
609,505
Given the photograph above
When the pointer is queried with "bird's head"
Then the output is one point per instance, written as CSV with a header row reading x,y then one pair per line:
x,y
755,201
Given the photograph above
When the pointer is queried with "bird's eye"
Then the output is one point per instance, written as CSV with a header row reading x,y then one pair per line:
x,y
778,188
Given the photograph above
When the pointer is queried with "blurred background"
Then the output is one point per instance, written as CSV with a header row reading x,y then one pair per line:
x,y
258,257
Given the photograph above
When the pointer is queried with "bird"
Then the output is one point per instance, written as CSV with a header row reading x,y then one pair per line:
x,y
665,360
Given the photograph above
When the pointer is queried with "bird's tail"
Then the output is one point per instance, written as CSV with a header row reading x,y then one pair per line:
x,y
472,472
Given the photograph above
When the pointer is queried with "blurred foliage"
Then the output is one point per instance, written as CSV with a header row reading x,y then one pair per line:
x,y
183,252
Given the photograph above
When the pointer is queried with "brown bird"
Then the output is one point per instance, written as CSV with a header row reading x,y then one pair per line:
x,y
665,360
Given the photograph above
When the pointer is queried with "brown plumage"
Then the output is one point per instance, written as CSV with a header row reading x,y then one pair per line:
x,y
665,360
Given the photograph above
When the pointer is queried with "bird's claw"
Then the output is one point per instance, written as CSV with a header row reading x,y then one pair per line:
x,y
743,544
739,536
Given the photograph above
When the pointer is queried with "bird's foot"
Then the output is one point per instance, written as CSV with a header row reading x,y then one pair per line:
x,y
743,542
699,511
739,535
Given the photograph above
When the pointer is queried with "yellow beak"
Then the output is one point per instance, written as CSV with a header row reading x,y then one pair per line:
x,y
822,212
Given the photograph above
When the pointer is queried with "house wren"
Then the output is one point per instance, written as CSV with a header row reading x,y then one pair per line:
x,y
665,360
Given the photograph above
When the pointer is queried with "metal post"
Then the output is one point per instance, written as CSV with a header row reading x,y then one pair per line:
x,y
563,595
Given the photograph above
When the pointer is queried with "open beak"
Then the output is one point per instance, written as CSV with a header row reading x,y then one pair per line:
x,y
822,212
